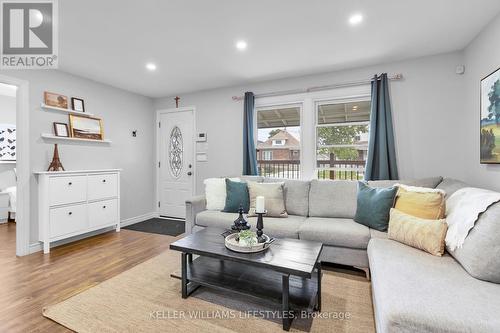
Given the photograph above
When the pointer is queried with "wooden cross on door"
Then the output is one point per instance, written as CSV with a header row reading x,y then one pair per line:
x,y
177,99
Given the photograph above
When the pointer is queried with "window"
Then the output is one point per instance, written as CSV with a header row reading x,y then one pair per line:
x,y
267,155
279,141
342,139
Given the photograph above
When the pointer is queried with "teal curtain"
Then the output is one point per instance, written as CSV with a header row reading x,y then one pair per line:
x,y
249,154
381,162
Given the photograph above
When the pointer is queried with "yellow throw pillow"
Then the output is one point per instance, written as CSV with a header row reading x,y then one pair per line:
x,y
423,234
422,202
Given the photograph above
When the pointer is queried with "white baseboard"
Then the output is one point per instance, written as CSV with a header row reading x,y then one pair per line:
x,y
137,219
38,246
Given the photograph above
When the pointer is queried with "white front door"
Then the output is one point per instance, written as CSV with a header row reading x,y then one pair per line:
x,y
176,169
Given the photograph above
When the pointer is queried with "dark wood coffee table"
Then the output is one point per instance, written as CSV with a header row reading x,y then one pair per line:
x,y
289,272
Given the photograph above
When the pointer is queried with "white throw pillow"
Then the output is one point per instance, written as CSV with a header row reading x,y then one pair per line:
x,y
215,192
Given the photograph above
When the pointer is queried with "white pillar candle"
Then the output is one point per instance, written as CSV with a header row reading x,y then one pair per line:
x,y
260,204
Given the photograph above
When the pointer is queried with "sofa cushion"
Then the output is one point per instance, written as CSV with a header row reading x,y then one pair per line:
x,y
414,291
431,182
296,195
422,202
274,198
450,186
275,227
335,232
236,197
333,198
423,234
215,192
374,205
480,253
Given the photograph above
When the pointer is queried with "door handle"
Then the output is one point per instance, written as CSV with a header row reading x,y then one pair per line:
x,y
189,173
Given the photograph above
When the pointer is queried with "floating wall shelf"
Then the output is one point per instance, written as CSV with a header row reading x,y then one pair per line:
x,y
68,111
63,139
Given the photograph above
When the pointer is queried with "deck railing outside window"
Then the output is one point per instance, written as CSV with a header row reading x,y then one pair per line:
x,y
326,169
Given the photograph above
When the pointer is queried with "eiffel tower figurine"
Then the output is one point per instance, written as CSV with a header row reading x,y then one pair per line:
x,y
56,164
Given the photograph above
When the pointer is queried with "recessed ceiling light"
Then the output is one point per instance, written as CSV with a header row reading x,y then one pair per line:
x,y
241,45
355,19
150,66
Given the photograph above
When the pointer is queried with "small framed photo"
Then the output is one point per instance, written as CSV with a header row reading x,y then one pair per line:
x,y
61,129
56,100
86,127
77,104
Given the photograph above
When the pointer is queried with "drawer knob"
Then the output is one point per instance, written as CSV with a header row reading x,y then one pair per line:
x,y
103,206
70,213
104,180
70,183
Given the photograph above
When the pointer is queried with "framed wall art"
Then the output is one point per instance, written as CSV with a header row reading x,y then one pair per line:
x,y
490,119
86,127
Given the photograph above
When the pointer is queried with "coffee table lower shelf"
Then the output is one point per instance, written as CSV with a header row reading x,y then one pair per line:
x,y
292,292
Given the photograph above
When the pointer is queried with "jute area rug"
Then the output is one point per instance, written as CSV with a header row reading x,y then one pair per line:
x,y
147,299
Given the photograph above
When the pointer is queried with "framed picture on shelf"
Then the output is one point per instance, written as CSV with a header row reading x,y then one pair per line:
x,y
86,127
77,104
61,129
56,100
490,119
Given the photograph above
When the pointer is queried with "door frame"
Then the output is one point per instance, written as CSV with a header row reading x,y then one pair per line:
x,y
22,164
157,126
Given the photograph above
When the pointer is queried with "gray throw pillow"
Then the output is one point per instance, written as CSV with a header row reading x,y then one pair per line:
x,y
274,198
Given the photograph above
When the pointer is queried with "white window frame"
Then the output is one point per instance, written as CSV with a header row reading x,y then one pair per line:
x,y
264,155
307,103
317,125
281,142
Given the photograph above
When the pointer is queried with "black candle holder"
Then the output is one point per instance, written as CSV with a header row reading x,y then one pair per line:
x,y
260,226
240,223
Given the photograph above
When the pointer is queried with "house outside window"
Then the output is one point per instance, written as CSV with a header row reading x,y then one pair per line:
x,y
315,134
278,145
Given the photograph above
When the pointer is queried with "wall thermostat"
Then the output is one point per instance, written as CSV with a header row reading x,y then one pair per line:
x,y
201,137
460,69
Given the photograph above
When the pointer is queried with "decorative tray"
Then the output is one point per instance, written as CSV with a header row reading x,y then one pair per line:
x,y
234,245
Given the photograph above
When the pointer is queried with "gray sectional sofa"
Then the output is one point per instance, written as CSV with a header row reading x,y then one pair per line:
x,y
412,291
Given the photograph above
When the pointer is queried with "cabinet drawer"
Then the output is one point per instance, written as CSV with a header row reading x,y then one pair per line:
x,y
103,186
103,213
67,220
66,190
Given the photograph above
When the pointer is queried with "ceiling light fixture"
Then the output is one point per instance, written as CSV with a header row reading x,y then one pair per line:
x,y
241,45
150,66
355,19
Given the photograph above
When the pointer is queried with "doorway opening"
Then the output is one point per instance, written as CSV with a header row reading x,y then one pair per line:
x,y
14,166
8,158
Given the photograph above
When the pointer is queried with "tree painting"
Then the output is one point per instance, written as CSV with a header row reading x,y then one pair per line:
x,y
490,119
494,97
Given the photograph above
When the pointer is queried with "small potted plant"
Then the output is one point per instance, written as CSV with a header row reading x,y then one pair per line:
x,y
247,238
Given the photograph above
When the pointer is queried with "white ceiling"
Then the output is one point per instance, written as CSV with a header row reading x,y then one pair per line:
x,y
192,41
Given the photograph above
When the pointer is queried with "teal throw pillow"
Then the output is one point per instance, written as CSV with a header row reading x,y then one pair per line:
x,y
236,195
374,206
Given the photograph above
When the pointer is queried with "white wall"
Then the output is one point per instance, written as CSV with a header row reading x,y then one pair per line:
x,y
7,116
425,106
121,111
482,57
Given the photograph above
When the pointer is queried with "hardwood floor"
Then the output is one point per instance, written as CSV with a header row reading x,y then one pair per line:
x,y
27,284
